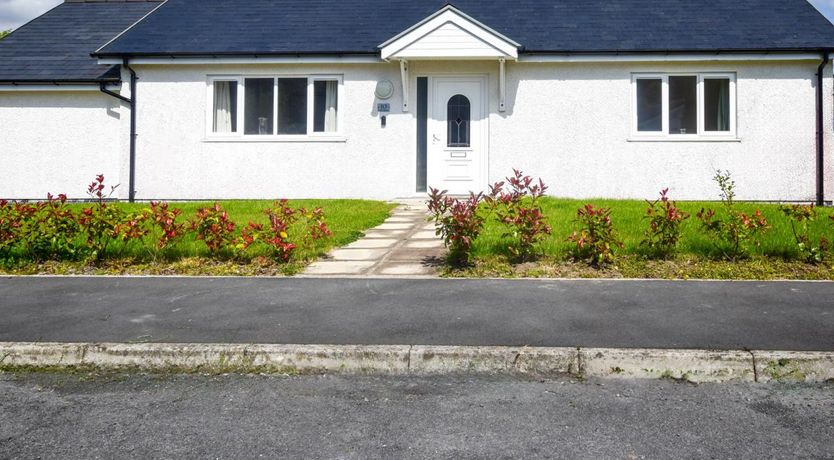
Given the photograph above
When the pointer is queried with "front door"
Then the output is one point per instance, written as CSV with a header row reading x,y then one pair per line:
x,y
457,134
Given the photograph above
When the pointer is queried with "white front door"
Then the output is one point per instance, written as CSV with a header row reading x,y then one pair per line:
x,y
457,136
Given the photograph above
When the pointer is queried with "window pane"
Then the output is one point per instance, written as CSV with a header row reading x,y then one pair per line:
x,y
716,104
458,121
292,106
225,107
649,104
683,105
258,106
325,103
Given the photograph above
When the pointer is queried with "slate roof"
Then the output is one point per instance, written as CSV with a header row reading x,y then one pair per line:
x,y
287,27
57,46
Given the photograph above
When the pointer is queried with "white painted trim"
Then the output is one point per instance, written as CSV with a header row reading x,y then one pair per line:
x,y
502,85
682,57
168,60
702,135
405,83
239,136
449,14
54,88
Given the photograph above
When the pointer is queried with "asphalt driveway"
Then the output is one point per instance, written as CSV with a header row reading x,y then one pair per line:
x,y
628,314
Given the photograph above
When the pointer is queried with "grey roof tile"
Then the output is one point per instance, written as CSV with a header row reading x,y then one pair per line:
x,y
57,45
358,26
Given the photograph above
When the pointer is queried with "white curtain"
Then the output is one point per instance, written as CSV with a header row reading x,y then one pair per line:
x,y
222,107
330,107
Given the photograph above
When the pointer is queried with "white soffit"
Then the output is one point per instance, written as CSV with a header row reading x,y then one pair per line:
x,y
449,34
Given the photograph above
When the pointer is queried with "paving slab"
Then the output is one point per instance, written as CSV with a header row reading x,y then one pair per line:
x,y
372,243
326,267
395,226
385,234
424,244
405,269
404,244
357,254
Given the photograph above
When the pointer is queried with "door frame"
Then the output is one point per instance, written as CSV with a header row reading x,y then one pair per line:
x,y
483,168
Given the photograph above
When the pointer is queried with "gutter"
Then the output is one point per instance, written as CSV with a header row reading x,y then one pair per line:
x,y
821,130
131,102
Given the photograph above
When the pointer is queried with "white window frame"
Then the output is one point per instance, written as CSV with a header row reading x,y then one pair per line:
x,y
702,135
239,136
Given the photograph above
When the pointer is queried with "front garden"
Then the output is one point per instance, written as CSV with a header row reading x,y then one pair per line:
x,y
516,231
223,238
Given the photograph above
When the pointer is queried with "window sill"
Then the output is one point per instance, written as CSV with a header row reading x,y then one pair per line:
x,y
683,139
279,139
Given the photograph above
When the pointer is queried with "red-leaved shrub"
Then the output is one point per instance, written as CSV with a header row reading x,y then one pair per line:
x,y
595,240
164,218
665,219
288,230
801,217
458,222
213,226
733,229
515,203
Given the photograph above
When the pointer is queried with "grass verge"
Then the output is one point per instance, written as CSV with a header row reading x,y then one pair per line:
x,y
347,219
776,255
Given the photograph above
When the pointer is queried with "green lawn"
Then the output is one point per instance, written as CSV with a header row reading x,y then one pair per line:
x,y
697,254
347,219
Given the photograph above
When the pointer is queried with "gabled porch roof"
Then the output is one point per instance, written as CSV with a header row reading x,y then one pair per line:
x,y
449,34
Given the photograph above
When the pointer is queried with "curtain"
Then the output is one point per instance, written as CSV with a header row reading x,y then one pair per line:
x,y
222,107
330,106
724,106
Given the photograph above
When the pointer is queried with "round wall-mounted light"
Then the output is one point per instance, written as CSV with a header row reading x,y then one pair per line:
x,y
384,89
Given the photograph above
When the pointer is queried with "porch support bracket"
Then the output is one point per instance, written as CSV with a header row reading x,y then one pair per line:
x,y
502,85
404,75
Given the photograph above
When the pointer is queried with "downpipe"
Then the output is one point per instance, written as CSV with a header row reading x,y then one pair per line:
x,y
131,102
821,130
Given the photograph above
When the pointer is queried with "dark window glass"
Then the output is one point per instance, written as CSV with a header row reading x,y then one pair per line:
x,y
258,106
458,118
649,104
325,105
292,106
225,107
683,105
716,104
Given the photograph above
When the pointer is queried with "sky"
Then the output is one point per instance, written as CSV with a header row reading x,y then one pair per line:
x,y
14,13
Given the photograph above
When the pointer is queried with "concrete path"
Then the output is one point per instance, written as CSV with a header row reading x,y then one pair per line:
x,y
405,244
615,314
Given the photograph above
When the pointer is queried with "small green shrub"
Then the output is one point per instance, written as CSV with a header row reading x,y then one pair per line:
x,y
801,217
458,222
595,240
163,218
288,230
213,227
103,223
732,230
515,204
49,229
665,220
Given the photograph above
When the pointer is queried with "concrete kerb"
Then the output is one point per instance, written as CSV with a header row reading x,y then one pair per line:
x,y
689,365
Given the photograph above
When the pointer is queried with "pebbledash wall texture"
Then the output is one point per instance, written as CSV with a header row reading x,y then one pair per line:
x,y
569,123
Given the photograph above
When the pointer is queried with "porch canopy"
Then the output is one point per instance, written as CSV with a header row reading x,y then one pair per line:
x,y
450,34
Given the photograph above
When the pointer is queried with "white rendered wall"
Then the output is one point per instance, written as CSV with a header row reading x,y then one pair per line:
x,y
568,123
174,160
55,141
